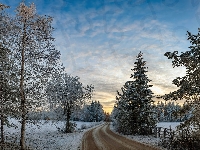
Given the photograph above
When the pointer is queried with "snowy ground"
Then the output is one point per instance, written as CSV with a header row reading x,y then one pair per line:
x,y
45,135
151,140
168,125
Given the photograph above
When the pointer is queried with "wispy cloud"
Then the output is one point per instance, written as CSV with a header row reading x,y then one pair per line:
x,y
99,40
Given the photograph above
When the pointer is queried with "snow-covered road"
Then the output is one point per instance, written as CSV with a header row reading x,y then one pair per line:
x,y
102,138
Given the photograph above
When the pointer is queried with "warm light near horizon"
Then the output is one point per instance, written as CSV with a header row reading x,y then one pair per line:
x,y
108,109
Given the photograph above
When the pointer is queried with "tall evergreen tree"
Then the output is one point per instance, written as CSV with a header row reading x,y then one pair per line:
x,y
135,103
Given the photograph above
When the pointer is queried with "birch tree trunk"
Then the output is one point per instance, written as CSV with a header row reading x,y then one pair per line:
x,y
23,100
2,129
68,113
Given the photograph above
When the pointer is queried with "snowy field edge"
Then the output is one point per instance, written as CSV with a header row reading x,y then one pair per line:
x,y
149,139
45,135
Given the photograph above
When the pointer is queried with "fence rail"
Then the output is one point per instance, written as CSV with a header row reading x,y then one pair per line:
x,y
171,141
163,132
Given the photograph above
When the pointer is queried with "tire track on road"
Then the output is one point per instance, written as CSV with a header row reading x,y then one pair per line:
x,y
88,141
102,138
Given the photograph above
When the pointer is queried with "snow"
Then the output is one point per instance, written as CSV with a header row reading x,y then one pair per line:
x,y
150,140
168,125
45,135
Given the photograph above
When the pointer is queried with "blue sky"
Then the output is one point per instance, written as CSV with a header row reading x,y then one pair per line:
x,y
99,39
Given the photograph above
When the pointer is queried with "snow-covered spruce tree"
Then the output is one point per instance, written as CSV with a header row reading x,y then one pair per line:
x,y
135,103
100,113
171,112
188,85
168,112
186,111
8,78
118,115
67,92
35,56
95,110
92,112
160,111
76,114
85,115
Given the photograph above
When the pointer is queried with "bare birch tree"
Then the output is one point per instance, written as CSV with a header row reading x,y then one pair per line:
x,y
36,58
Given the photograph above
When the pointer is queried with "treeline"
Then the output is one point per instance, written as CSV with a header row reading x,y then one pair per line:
x,y
172,112
92,112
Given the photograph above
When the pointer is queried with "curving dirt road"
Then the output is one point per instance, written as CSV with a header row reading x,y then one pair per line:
x,y
102,138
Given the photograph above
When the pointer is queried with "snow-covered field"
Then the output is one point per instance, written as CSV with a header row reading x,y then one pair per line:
x,y
151,140
45,135
168,125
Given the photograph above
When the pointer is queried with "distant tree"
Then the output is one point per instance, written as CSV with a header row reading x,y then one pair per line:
x,y
92,112
135,114
107,117
118,115
100,116
176,113
35,56
85,114
188,85
96,111
168,111
160,111
76,114
186,111
68,93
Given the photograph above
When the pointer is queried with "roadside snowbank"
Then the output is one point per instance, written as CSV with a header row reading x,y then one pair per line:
x,y
150,140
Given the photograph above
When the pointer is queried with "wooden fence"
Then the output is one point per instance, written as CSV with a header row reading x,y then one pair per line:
x,y
163,132
171,142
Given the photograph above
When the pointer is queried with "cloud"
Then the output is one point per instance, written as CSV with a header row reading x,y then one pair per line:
x,y
103,54
99,42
